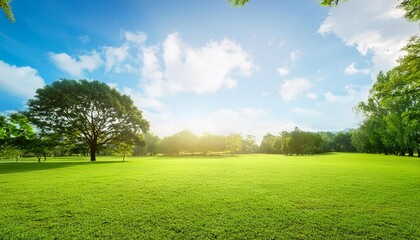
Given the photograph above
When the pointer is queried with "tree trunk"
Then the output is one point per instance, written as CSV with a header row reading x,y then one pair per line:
x,y
92,152
402,152
410,152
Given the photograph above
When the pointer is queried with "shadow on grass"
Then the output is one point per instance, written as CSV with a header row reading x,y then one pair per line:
x,y
25,166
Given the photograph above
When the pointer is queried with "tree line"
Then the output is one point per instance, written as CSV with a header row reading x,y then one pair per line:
x,y
296,142
186,142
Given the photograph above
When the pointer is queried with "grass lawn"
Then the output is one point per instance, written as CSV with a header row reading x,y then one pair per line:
x,y
340,196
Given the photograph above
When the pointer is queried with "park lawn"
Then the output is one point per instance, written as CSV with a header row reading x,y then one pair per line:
x,y
340,196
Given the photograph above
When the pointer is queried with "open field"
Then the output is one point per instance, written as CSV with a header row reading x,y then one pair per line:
x,y
341,196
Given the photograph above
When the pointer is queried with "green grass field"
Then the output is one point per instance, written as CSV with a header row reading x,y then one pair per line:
x,y
340,196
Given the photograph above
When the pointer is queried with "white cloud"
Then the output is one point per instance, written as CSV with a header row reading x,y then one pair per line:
x,y
290,89
198,70
305,111
116,59
283,71
151,71
378,28
312,96
351,69
135,37
19,81
295,55
78,65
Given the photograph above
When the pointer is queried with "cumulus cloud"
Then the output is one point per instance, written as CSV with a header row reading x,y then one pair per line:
x,y
116,59
290,89
198,70
377,28
19,81
351,69
164,69
283,71
76,66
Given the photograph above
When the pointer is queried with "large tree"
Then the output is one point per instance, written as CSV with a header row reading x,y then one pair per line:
x,y
90,110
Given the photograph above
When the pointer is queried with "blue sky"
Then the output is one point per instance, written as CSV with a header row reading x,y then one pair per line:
x,y
205,65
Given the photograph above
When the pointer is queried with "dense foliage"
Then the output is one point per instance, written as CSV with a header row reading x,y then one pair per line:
x,y
15,134
392,111
299,142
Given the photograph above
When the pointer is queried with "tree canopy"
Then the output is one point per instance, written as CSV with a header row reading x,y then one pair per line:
x,y
87,110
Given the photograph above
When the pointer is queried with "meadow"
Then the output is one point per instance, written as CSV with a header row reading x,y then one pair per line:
x,y
338,196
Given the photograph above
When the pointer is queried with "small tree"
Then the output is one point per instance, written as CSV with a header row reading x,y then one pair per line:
x,y
42,145
124,149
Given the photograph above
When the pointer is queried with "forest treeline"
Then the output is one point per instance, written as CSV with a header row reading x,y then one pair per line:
x,y
296,142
